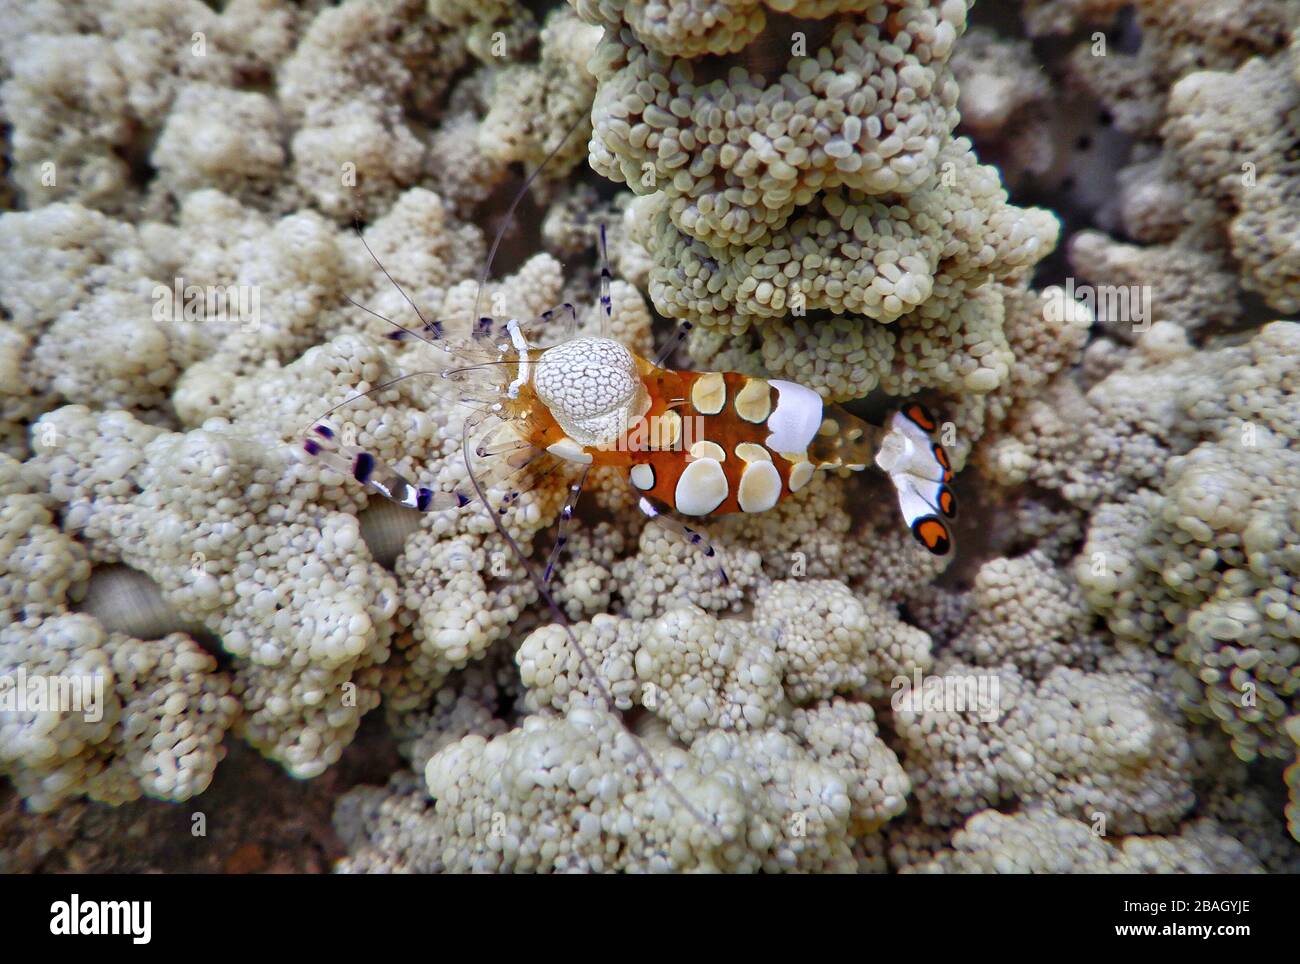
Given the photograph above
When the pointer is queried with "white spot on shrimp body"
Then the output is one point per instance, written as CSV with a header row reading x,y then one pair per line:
x,y
643,476
795,418
569,450
701,488
708,450
800,475
760,487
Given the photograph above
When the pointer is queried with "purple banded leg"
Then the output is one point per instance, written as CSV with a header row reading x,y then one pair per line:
x,y
566,308
430,331
379,475
673,343
606,303
683,532
561,537
514,464
485,451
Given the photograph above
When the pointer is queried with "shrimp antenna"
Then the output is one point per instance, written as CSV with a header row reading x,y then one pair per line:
x,y
371,311
510,213
473,404
356,226
478,404
562,620
451,373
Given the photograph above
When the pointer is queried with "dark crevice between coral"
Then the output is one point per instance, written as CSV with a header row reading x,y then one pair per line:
x,y
522,234
769,54
135,153
257,819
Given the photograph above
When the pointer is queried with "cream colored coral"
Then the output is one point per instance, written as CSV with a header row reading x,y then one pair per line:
x,y
667,572
155,725
844,736
1039,841
1219,594
348,87
68,153
1233,146
283,285
1028,613
92,85
997,80
1179,282
387,830
20,400
768,200
466,704
1157,400
1293,782
1214,81
832,641
51,755
583,582
1185,553
681,27
703,675
1101,746
176,708
950,755
1032,841
217,137
533,109
696,672
211,519
460,170
660,131
109,352
1088,744
39,565
582,773
579,772
92,252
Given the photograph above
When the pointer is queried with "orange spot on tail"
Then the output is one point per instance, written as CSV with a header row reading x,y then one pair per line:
x,y
947,503
932,534
917,413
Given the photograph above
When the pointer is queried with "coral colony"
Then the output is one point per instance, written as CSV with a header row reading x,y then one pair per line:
x,y
586,394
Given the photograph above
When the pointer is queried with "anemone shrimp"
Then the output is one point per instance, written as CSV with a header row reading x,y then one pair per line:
x,y
692,445
698,444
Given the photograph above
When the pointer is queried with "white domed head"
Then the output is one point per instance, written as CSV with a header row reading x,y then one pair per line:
x,y
593,389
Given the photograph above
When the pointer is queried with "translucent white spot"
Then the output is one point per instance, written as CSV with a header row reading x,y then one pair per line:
x,y
570,451
760,487
701,488
643,476
800,476
795,419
